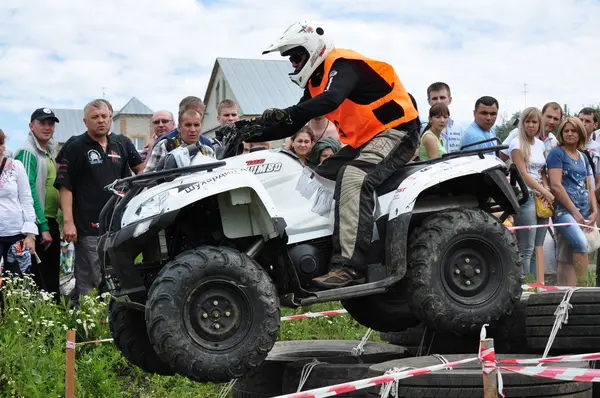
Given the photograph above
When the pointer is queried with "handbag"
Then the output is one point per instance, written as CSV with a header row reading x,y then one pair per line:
x,y
542,210
593,239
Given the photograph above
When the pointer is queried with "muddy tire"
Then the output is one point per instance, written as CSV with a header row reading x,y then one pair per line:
x,y
464,270
580,335
128,329
213,314
270,379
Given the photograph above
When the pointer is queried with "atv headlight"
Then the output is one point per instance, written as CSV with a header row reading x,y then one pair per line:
x,y
151,207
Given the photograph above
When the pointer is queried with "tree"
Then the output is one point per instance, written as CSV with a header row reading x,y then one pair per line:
x,y
507,125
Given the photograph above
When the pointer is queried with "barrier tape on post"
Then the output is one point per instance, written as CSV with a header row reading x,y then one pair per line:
x,y
70,345
563,358
556,373
373,381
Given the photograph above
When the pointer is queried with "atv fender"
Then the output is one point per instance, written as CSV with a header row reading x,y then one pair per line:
x,y
404,202
245,206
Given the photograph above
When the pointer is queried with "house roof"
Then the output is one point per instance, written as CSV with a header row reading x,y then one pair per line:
x,y
134,107
257,84
71,123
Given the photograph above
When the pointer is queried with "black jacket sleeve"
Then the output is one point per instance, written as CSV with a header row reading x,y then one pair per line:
x,y
343,78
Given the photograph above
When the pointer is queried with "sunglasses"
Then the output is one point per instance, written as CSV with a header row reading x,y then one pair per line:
x,y
163,121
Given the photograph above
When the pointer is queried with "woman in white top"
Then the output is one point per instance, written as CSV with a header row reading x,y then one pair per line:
x,y
528,153
17,221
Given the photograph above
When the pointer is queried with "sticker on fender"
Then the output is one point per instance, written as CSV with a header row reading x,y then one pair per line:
x,y
265,168
210,180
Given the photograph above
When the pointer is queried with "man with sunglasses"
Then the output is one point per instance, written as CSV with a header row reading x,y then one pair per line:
x,y
162,123
376,119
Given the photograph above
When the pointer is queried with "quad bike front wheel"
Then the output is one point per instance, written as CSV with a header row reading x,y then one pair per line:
x,y
213,314
464,270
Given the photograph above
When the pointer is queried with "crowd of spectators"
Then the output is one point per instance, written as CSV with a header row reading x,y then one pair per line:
x,y
558,158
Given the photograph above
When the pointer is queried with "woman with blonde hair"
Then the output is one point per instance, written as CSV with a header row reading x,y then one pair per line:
x,y
571,182
527,152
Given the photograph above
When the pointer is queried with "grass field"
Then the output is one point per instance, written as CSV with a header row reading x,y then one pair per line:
x,y
32,349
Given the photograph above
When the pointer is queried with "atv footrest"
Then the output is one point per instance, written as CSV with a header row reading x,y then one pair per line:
x,y
376,272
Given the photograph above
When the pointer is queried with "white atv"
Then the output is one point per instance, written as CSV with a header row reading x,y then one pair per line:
x,y
225,243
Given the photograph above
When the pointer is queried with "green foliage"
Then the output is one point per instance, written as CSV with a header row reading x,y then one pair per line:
x,y
32,348
507,125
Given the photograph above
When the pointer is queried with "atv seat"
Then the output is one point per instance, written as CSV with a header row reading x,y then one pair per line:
x,y
392,183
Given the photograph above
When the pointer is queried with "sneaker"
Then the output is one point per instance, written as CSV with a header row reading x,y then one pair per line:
x,y
339,276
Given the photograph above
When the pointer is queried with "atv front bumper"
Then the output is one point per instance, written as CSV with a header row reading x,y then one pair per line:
x,y
118,251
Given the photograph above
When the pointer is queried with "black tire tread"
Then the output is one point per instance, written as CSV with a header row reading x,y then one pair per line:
x,y
466,381
177,348
128,329
434,308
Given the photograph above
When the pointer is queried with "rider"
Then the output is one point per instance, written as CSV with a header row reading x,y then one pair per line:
x,y
375,117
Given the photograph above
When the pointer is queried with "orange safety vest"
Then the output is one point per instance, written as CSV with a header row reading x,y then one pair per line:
x,y
358,123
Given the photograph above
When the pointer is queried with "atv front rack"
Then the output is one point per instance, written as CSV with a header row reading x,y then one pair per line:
x,y
149,178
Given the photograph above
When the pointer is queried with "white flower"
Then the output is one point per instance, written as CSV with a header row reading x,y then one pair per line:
x,y
78,321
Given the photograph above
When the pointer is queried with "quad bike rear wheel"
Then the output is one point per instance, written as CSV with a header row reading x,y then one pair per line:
x,y
464,270
128,329
213,314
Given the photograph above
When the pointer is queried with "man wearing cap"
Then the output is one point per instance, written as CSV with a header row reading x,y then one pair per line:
x,y
37,155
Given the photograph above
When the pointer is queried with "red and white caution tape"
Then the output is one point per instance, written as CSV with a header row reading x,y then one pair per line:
x,y
563,224
95,341
373,381
542,287
562,358
556,373
313,315
283,318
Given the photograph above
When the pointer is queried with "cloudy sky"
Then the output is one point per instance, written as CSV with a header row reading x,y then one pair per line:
x,y
63,53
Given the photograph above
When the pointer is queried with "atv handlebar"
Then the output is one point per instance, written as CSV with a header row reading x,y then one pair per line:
x,y
232,137
495,148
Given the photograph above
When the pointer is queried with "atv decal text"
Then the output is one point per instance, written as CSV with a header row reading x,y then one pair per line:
x,y
265,168
210,180
254,161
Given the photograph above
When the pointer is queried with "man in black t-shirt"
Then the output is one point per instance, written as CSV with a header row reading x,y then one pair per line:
x,y
85,166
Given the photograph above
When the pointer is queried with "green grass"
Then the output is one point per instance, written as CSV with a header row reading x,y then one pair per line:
x,y
32,348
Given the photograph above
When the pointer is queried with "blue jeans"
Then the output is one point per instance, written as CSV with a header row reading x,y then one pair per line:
x,y
572,233
529,238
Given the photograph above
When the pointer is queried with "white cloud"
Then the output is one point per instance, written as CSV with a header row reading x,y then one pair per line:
x,y
62,53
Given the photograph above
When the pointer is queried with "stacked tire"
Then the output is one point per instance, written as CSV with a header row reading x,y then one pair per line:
x,y
581,333
466,380
280,372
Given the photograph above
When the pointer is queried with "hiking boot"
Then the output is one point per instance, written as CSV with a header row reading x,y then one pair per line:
x,y
339,276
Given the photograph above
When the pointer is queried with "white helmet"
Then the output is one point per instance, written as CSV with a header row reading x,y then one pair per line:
x,y
307,42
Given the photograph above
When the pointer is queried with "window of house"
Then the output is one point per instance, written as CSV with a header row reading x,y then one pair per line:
x,y
218,89
138,142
